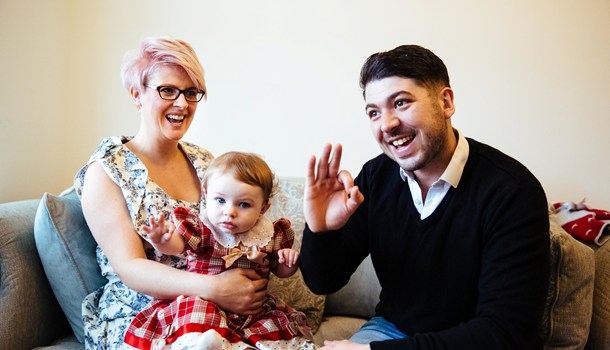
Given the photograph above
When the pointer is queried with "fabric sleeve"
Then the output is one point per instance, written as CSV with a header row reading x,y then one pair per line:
x,y
189,226
283,234
328,259
283,238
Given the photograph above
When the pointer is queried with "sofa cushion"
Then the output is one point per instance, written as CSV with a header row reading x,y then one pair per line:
x,y
29,313
67,251
337,328
288,203
569,304
359,296
295,293
599,334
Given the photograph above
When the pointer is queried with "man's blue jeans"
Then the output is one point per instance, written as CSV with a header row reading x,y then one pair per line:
x,y
377,328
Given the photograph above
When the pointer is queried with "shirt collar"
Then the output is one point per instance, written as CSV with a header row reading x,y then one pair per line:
x,y
455,168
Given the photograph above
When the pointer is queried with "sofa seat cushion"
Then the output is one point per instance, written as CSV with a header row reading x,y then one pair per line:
x,y
337,328
67,251
64,343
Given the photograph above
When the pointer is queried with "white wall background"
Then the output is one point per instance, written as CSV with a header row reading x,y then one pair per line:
x,y
531,78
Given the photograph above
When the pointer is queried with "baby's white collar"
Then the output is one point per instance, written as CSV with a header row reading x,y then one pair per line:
x,y
259,235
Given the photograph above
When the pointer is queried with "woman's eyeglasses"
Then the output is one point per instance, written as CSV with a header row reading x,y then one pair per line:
x,y
171,93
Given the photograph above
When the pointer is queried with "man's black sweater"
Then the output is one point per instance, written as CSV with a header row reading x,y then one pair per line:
x,y
472,275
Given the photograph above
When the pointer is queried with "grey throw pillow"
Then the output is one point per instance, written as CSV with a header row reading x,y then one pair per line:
x,y
67,252
569,303
599,335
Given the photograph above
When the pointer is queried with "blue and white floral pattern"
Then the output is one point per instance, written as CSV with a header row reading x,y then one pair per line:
x,y
108,311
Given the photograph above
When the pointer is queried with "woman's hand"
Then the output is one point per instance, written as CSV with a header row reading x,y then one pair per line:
x,y
330,195
240,291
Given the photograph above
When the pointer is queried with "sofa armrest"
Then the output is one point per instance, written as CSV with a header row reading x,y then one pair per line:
x,y
30,314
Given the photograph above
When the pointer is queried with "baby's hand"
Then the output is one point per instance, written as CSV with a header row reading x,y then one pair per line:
x,y
288,257
159,231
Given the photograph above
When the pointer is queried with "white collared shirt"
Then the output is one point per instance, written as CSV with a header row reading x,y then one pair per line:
x,y
450,177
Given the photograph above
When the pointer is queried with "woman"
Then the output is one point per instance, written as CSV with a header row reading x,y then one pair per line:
x,y
131,179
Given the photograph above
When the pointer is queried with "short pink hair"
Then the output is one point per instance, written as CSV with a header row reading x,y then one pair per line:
x,y
140,63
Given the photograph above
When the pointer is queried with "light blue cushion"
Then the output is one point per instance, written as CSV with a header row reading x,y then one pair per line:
x,y
67,251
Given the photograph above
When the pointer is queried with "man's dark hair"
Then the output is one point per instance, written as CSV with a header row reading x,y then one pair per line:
x,y
408,61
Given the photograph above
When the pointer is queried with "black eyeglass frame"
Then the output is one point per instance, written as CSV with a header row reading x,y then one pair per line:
x,y
159,87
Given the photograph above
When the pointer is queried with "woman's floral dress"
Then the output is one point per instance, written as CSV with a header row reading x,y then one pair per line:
x,y
108,311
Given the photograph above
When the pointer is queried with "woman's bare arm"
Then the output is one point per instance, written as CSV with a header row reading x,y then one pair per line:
x,y
108,218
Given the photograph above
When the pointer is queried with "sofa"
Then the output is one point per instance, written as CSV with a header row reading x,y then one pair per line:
x,y
47,265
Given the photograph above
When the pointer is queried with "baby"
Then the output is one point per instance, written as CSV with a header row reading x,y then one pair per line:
x,y
232,231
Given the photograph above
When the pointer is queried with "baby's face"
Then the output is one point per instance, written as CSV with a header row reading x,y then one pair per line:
x,y
232,206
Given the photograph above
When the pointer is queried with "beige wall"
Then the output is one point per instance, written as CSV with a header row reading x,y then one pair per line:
x,y
531,78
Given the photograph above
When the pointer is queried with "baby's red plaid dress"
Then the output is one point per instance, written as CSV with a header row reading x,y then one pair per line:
x,y
169,319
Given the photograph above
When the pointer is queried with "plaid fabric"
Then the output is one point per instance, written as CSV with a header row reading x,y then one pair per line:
x,y
169,319
204,254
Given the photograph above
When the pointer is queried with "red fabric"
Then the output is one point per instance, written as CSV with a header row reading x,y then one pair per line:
x,y
205,254
173,318
582,222
170,319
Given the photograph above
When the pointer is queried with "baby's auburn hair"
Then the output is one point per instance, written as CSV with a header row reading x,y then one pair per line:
x,y
248,168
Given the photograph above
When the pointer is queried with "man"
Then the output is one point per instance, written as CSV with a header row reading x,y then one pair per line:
x,y
457,231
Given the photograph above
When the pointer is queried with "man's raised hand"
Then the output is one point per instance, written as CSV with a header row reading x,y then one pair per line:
x,y
330,195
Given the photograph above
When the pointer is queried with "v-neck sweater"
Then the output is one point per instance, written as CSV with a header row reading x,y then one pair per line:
x,y
472,275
